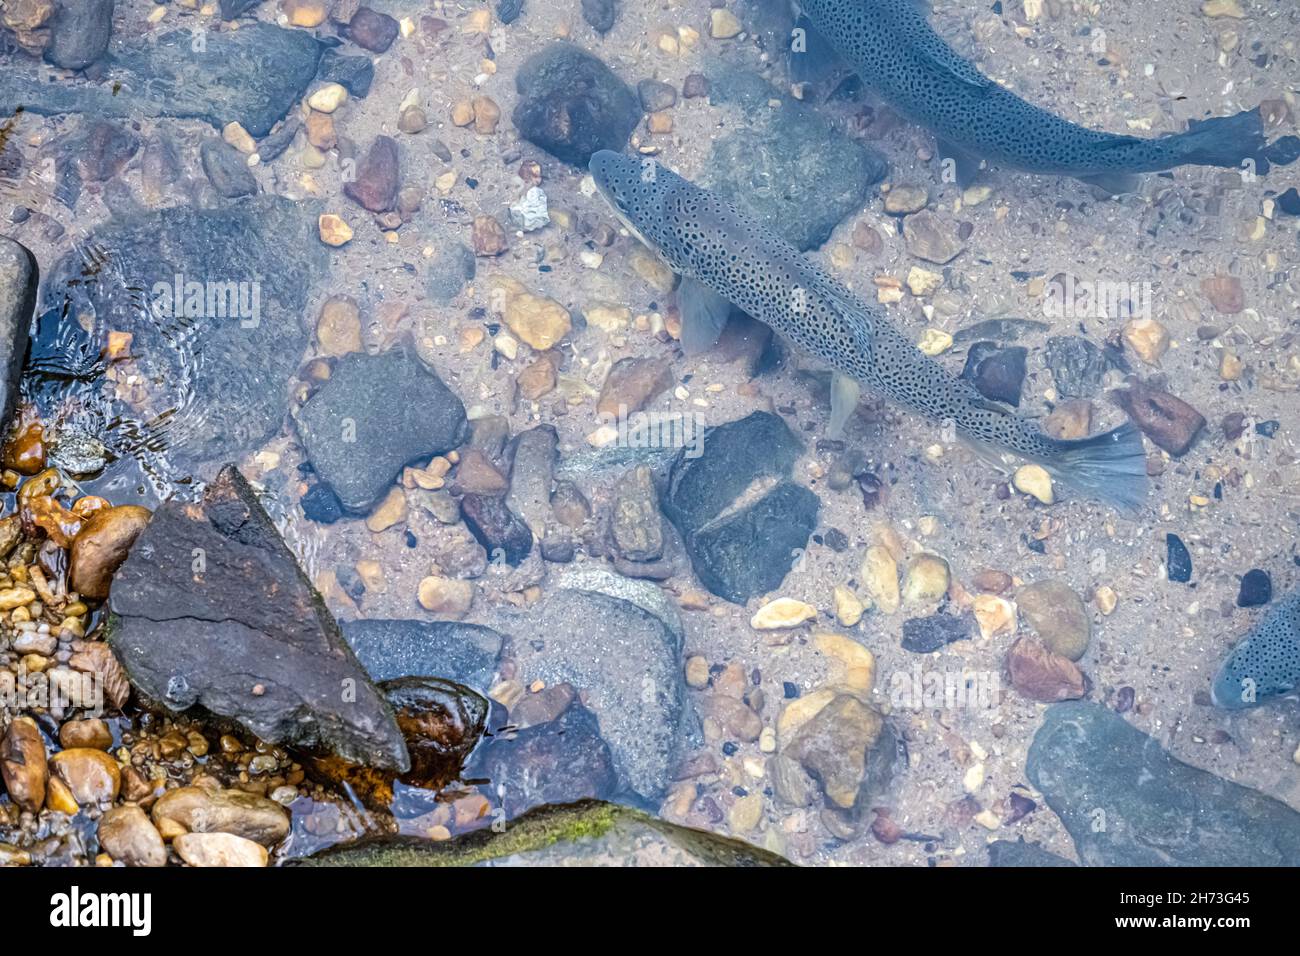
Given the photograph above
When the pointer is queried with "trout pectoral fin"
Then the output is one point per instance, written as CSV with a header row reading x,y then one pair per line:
x,y
704,314
1117,184
966,164
844,400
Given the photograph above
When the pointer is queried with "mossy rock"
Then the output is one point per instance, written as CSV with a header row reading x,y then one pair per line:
x,y
586,833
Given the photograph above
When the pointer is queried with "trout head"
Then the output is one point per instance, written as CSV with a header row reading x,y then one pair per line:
x,y
636,188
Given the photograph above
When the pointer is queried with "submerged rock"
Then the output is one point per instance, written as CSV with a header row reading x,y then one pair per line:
x,y
587,833
626,662
741,548
19,278
790,168
1020,853
227,80
1078,366
211,609
376,414
572,105
465,653
1127,802
79,32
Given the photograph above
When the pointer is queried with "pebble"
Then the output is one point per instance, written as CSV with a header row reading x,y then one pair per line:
x,y
1167,420
934,342
782,613
377,176
1042,675
23,765
903,200
746,813
1070,420
1225,293
536,320
338,328
372,30
879,574
930,238
1034,481
304,13
529,212
201,810
328,98
390,511
632,384
1223,8
1178,560
923,282
857,662
994,615
333,230
1058,617
600,14
91,776
697,672
723,24
1105,598
832,747
219,849
127,835
446,597
1148,338
90,732
927,579
488,237
1256,589
848,606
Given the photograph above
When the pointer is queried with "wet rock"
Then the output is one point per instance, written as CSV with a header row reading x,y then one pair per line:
x,y
1019,853
19,278
79,32
126,835
102,545
227,169
1127,802
1077,365
634,685
572,105
1256,589
538,321
91,776
744,551
372,30
930,238
442,722
1225,293
600,14
264,251
320,503
89,732
997,372
789,167
632,384
502,533
475,474
559,761
234,9
164,77
24,769
696,85
353,72
1057,616
282,658
1178,560
97,151
378,176
387,649
202,810
1168,421
1041,674
588,833
451,268
635,525
925,635
656,95
834,747
376,414
219,850
532,455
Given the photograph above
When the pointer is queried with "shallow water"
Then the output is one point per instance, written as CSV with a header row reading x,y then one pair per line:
x,y
823,741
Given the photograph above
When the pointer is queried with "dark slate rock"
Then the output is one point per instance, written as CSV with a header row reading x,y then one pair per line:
x,y
1019,853
1178,559
1289,202
600,14
790,167
625,660
450,269
79,32
235,399
1078,366
1127,802
999,330
1269,428
376,414
502,533
234,9
277,142
353,72
508,10
997,372
465,653
230,79
556,762
1256,588
741,552
227,169
96,152
656,95
19,277
244,635
572,105
322,505
924,635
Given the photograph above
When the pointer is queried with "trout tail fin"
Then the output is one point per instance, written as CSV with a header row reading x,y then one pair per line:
x,y
1111,468
1233,142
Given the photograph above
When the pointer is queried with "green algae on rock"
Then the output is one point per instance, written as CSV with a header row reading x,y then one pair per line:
x,y
587,833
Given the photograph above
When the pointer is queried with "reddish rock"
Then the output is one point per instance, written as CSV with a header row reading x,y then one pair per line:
x,y
1167,420
372,30
378,176
1042,675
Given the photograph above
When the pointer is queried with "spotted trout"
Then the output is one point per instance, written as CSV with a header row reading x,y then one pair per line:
x,y
1266,664
727,258
892,47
